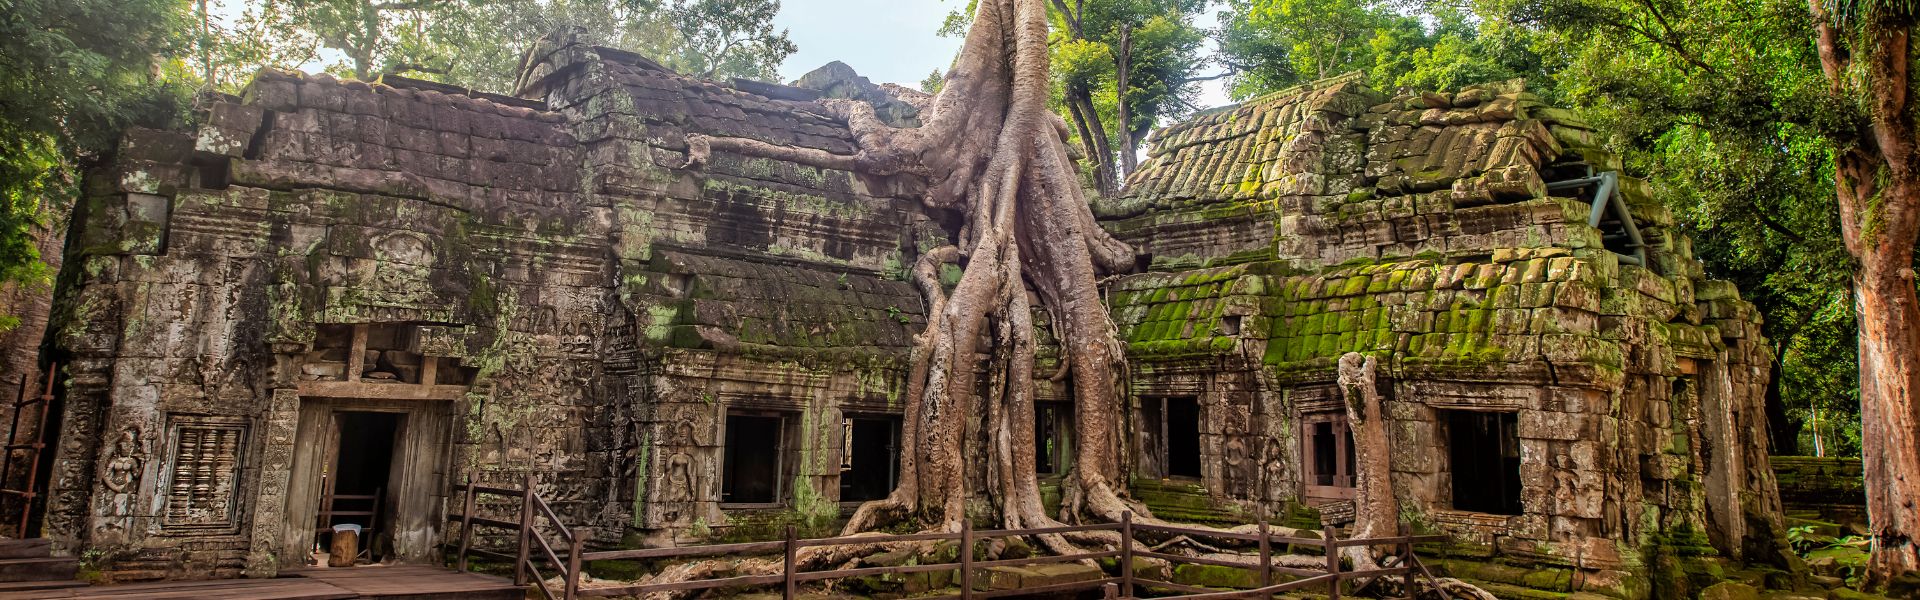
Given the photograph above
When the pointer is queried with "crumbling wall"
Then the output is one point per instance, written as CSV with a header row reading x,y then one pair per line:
x,y
1428,230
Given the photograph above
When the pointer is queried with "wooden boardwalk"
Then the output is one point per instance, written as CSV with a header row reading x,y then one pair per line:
x,y
410,582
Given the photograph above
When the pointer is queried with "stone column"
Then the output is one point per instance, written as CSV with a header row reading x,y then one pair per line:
x,y
270,497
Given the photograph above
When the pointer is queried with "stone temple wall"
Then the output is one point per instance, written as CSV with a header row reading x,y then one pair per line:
x,y
532,283
533,286
1422,229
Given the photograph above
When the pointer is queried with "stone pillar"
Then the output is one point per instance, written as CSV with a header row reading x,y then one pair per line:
x,y
270,496
1724,463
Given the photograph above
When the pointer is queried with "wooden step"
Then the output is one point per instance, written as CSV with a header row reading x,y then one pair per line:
x,y
38,569
32,548
28,586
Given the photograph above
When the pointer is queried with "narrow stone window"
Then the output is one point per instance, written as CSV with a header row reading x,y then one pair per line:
x,y
1170,436
1485,460
1052,437
754,463
1326,448
1230,325
870,460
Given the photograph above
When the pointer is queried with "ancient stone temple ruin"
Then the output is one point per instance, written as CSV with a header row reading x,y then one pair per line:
x,y
331,292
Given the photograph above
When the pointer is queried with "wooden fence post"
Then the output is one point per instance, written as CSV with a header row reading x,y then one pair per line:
x,y
526,532
573,563
1406,560
788,592
966,559
1126,554
466,524
1333,567
1266,556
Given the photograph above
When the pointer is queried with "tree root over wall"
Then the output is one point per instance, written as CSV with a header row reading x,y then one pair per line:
x,y
995,156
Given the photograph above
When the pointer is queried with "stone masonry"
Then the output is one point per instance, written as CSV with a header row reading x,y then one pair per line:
x,y
530,285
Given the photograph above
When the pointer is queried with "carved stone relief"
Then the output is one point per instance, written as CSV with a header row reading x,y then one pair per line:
x,y
203,472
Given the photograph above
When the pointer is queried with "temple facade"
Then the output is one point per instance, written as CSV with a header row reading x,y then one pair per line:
x,y
335,298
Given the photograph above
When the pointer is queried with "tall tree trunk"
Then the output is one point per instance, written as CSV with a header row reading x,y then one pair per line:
x,y
1783,432
1878,184
1093,136
1123,68
1376,512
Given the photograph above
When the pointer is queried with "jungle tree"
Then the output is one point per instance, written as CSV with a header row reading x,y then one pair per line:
x,y
1835,69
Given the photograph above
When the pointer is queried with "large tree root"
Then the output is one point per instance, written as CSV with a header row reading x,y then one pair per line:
x,y
992,151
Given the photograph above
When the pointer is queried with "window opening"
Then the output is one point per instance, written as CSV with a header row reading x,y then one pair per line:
x,y
1485,459
1609,214
1230,325
753,460
870,459
1327,447
1052,437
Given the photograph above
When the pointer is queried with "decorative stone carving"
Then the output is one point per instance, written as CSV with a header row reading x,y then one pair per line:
x,y
120,475
204,472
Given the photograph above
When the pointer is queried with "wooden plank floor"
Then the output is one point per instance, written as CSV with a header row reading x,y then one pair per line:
x,y
415,582
384,583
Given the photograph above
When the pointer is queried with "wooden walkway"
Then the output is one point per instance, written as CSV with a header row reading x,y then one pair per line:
x,y
411,582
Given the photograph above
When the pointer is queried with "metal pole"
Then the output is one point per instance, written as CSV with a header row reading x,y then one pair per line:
x,y
1333,566
1126,554
966,559
526,532
788,593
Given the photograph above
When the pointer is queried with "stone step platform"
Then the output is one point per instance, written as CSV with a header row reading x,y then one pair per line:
x,y
29,565
31,548
1033,576
385,583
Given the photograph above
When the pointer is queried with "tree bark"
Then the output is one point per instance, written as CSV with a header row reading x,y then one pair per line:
x,y
1878,185
1123,68
1783,432
1376,512
1093,135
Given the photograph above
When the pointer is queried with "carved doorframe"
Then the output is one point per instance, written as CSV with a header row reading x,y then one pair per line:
x,y
420,476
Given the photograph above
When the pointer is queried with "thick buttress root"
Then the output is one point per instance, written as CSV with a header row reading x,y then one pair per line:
x,y
992,151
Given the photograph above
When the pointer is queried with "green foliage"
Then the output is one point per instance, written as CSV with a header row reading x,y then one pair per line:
x,y
1153,43
73,74
1274,44
479,43
1723,105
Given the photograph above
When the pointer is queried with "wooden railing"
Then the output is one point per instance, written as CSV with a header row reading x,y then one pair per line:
x,y
1124,585
1332,577
527,537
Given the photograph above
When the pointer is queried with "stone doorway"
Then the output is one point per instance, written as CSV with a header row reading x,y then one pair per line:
x,y
380,464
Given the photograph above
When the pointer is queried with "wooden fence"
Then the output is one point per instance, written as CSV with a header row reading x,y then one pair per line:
x,y
1126,585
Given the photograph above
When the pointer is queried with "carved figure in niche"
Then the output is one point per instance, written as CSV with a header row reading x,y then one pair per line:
x,y
680,471
122,471
1235,473
1274,468
121,476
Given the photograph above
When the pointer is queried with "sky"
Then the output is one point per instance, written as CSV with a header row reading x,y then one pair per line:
x,y
888,41
894,41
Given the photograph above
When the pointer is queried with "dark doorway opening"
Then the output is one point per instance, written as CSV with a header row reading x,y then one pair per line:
x,y
357,482
1183,437
870,459
1485,459
1052,437
1170,445
752,464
